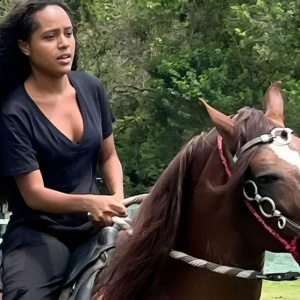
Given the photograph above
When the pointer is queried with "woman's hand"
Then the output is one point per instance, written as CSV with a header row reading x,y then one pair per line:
x,y
98,296
119,197
103,208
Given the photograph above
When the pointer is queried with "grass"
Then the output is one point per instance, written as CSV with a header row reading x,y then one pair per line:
x,y
281,290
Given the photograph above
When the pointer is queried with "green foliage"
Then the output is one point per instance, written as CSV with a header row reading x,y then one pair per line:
x,y
6,6
156,58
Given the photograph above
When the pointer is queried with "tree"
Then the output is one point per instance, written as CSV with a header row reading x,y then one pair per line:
x,y
156,58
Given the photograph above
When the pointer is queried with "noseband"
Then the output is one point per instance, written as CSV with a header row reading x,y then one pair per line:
x,y
280,137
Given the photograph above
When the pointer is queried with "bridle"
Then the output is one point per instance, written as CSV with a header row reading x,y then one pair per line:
x,y
274,213
279,136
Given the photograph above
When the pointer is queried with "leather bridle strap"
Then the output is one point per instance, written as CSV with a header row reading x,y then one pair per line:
x,y
268,138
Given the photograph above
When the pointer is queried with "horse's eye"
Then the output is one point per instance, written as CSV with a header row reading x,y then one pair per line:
x,y
268,178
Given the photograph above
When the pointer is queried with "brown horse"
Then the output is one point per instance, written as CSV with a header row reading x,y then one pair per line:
x,y
199,206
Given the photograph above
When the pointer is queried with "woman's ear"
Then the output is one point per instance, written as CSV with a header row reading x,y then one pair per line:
x,y
24,47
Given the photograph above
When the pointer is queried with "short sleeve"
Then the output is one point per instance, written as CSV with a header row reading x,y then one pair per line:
x,y
16,148
107,116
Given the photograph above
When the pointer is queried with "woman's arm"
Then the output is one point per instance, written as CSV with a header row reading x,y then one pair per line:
x,y
111,168
38,197
32,189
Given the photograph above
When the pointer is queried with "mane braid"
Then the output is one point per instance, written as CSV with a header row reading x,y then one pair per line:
x,y
138,259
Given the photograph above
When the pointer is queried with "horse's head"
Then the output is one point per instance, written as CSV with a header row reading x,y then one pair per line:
x,y
259,146
185,210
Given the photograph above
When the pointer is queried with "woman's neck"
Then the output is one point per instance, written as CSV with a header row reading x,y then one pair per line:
x,y
47,84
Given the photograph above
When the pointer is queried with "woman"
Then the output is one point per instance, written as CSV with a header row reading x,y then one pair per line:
x,y
56,129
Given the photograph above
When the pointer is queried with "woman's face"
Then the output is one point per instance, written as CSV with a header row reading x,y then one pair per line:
x,y
51,47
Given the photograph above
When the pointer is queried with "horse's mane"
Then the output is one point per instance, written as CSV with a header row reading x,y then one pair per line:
x,y
138,260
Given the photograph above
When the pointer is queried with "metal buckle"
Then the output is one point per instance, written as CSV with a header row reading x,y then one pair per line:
x,y
255,190
278,139
265,138
273,207
260,200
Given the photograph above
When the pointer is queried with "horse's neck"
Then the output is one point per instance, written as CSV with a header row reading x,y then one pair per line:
x,y
218,233
218,223
215,230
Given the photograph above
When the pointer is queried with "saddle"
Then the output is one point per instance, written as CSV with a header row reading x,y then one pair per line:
x,y
89,261
86,263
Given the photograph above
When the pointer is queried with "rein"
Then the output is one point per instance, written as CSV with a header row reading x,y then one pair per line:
x,y
125,223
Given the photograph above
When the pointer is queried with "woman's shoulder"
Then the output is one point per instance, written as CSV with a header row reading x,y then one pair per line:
x,y
14,102
86,79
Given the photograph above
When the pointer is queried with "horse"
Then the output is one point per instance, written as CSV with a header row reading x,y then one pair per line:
x,y
227,197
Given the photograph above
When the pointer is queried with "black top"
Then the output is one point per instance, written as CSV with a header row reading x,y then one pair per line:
x,y
31,142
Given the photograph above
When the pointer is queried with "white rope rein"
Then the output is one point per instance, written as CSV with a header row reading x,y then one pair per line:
x,y
125,224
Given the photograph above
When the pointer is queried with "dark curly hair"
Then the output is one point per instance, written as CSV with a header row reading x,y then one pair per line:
x,y
19,24
15,67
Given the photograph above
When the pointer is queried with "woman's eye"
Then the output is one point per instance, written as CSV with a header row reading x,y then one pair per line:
x,y
50,37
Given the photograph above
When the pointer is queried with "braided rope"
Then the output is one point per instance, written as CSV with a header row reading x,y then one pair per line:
x,y
134,199
125,224
224,270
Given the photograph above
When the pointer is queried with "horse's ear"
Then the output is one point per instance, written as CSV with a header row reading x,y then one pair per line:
x,y
224,125
274,104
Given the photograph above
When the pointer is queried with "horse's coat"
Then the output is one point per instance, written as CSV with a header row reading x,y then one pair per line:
x,y
195,208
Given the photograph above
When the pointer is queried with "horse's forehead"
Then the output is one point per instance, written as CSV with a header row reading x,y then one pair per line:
x,y
287,154
283,156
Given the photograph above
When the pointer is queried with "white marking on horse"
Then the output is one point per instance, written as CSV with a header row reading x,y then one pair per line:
x,y
287,154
